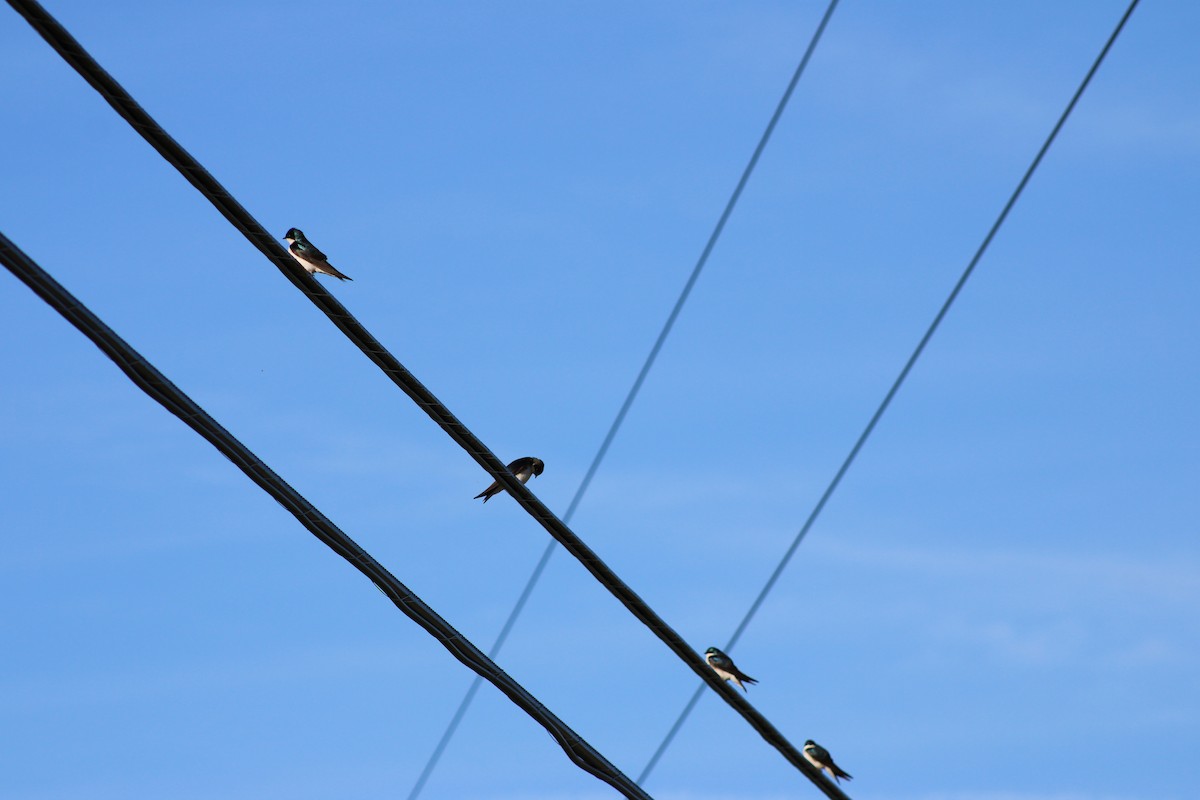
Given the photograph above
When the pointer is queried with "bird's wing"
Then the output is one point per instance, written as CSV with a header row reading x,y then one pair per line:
x,y
310,251
720,660
743,676
329,269
818,752
522,464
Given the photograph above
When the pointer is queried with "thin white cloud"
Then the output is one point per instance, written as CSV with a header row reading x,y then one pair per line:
x,y
76,690
971,794
1174,580
1132,126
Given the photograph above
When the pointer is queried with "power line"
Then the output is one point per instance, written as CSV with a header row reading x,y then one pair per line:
x,y
173,399
120,100
540,567
912,359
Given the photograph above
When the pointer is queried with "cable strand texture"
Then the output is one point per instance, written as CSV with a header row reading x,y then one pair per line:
x,y
120,100
156,385
895,387
630,396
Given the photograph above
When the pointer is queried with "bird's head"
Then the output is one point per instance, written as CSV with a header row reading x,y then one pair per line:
x,y
809,743
712,651
537,467
293,234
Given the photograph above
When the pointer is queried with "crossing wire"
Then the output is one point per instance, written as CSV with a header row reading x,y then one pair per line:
x,y
891,393
129,110
540,567
173,399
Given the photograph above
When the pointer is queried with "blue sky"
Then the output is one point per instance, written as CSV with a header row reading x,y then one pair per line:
x,y
998,604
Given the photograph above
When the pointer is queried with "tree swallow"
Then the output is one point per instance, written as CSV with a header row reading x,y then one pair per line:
x,y
522,469
309,256
819,757
723,665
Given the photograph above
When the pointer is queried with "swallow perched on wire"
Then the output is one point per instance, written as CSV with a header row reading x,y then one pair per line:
x,y
723,665
309,256
819,757
522,469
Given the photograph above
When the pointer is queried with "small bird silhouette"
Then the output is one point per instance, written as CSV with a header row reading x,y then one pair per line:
x,y
309,256
723,665
819,757
522,469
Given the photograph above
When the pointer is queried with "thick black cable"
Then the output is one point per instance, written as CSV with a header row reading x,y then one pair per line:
x,y
173,399
912,359
540,567
120,100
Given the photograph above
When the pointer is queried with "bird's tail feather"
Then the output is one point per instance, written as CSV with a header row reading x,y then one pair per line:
x,y
329,269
